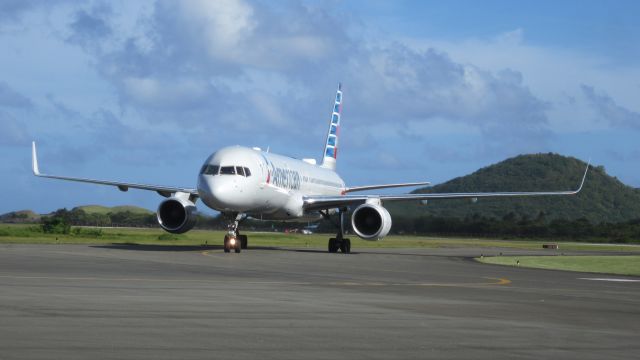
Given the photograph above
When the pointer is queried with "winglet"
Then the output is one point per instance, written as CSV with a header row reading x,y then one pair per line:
x,y
584,176
34,159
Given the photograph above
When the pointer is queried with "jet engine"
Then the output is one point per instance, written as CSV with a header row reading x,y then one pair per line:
x,y
177,215
371,221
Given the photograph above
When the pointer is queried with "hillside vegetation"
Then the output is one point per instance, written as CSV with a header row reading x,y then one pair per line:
x,y
99,209
603,198
22,216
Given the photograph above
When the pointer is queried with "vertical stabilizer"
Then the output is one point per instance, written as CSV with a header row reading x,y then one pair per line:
x,y
331,145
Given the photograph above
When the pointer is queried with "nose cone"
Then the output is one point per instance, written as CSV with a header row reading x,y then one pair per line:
x,y
217,192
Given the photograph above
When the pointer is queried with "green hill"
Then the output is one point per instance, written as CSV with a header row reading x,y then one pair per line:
x,y
603,198
22,216
99,209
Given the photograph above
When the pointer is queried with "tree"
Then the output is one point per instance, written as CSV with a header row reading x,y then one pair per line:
x,y
55,225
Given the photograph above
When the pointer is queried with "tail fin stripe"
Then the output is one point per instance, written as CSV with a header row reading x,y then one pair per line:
x,y
331,144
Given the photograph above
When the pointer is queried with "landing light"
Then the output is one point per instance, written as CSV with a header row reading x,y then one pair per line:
x,y
232,241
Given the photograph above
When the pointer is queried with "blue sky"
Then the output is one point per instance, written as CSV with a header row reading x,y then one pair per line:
x,y
144,91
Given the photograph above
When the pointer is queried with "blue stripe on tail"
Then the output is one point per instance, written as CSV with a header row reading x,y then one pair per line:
x,y
330,153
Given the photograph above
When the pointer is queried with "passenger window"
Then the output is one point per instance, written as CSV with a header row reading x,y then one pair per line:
x,y
239,170
333,130
332,141
227,170
336,109
247,172
334,119
338,97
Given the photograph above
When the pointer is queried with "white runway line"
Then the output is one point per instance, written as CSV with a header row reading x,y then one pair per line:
x,y
611,279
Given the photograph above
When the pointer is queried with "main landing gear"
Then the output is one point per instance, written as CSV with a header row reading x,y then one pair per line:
x,y
339,242
234,240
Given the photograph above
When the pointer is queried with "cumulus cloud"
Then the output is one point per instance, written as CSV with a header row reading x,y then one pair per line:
x,y
401,86
609,111
237,66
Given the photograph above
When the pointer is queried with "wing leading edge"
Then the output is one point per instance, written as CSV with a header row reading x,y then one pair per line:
x,y
165,191
311,203
384,186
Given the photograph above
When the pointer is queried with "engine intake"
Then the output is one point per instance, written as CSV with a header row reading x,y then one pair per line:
x,y
177,215
371,221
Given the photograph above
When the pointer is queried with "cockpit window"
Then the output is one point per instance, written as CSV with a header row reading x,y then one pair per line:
x,y
227,170
239,170
209,170
247,172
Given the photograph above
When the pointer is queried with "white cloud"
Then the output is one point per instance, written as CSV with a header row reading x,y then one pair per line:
x,y
222,25
554,75
608,111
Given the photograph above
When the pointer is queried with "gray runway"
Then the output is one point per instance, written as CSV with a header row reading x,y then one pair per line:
x,y
148,302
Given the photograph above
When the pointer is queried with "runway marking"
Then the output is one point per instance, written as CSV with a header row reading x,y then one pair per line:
x,y
496,281
611,279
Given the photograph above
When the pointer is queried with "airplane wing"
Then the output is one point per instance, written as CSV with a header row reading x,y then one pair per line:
x,y
314,203
165,191
385,186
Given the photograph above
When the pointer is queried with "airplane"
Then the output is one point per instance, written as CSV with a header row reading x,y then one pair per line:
x,y
242,182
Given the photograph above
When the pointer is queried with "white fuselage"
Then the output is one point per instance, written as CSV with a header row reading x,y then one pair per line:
x,y
271,189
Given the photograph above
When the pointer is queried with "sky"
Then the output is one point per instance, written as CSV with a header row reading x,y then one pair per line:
x,y
143,91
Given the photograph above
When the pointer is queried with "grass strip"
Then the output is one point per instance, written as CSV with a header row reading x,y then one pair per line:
x,y
620,265
31,234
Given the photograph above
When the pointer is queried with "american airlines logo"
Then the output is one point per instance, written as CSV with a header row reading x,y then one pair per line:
x,y
285,178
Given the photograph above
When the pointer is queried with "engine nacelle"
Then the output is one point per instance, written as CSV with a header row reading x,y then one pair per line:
x,y
177,215
371,221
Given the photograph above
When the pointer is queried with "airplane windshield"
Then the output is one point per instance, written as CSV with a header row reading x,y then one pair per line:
x,y
209,170
227,170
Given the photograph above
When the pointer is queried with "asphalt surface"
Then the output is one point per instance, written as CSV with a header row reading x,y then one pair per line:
x,y
148,302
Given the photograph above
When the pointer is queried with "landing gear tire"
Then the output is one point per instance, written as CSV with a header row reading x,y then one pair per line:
x,y
244,241
231,242
338,242
227,246
333,245
345,246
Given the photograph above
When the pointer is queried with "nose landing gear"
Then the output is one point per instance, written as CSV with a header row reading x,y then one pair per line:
x,y
233,240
